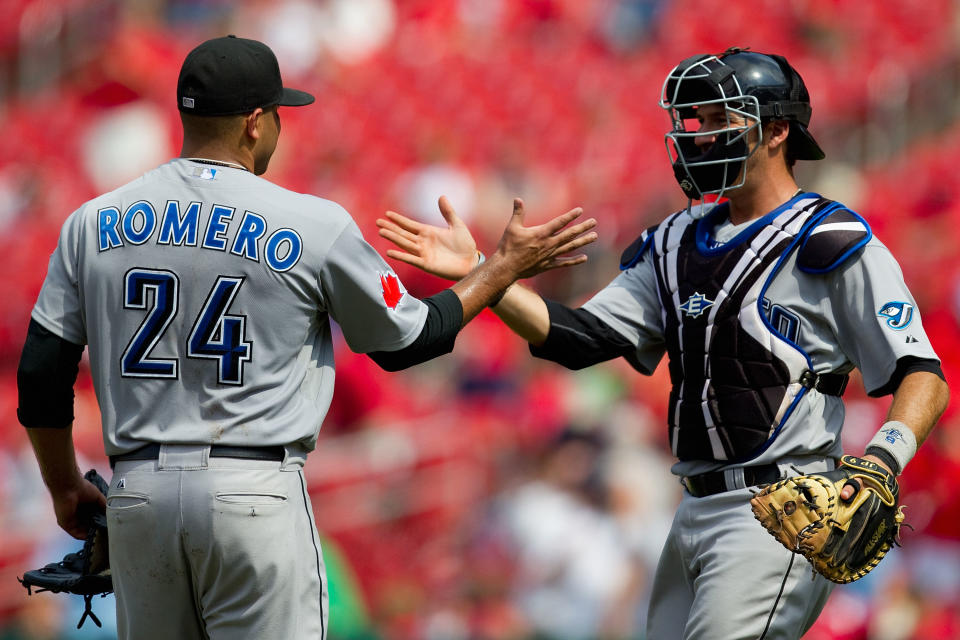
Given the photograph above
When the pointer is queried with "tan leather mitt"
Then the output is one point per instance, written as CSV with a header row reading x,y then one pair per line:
x,y
843,540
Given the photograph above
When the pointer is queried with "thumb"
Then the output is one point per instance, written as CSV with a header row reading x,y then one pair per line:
x,y
448,213
518,212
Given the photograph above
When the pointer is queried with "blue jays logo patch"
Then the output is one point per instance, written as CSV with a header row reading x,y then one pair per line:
x,y
898,314
891,435
696,305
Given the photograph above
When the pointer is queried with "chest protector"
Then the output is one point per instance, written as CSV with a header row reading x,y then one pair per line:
x,y
736,379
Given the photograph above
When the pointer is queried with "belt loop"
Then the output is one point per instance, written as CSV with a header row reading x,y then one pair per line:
x,y
294,458
183,456
734,478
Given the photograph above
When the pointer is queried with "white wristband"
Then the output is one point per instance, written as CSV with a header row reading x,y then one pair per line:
x,y
898,440
480,258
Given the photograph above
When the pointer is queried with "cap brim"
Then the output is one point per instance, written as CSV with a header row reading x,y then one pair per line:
x,y
802,144
295,98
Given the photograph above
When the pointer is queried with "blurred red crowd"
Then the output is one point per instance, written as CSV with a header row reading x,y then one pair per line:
x,y
547,99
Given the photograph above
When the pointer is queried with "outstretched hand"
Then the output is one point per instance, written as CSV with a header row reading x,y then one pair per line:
x,y
533,250
449,252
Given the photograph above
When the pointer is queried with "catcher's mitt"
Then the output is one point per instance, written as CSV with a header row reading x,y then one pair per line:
x,y
86,572
843,540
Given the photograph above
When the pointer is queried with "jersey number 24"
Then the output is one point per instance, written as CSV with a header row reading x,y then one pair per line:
x,y
215,334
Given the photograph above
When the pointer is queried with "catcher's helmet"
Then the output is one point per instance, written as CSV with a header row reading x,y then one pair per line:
x,y
758,88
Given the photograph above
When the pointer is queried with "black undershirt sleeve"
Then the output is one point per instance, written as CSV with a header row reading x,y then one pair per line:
x,y
578,339
48,369
444,317
907,365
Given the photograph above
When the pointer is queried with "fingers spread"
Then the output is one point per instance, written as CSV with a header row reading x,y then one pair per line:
x,y
552,226
576,229
386,225
560,263
402,241
403,221
576,243
409,258
580,232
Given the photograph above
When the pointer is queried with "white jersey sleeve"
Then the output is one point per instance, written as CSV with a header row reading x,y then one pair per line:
x,y
630,305
59,306
877,319
366,298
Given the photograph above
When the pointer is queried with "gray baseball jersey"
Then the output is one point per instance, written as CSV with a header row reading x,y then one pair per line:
x,y
205,295
860,314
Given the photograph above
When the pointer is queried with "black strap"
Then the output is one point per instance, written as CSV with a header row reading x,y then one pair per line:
x,y
88,611
712,482
437,337
831,384
152,452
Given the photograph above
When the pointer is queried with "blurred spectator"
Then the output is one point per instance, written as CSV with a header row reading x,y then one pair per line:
x,y
572,560
123,143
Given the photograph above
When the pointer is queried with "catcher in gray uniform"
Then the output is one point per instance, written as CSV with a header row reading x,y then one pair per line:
x,y
205,294
763,304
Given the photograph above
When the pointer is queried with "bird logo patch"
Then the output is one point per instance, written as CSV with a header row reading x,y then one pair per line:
x,y
696,305
391,290
891,435
898,315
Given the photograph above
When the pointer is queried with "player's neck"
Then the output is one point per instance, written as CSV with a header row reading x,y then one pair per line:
x,y
755,201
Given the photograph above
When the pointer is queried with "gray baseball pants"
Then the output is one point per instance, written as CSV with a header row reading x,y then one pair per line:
x,y
214,548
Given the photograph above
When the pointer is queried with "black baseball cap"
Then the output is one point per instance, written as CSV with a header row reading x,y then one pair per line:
x,y
231,75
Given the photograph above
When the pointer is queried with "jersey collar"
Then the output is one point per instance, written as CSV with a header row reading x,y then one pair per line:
x,y
707,223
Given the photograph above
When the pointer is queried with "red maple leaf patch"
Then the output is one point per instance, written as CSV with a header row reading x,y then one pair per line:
x,y
391,290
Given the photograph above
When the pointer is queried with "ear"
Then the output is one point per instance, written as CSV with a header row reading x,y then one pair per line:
x,y
251,123
777,135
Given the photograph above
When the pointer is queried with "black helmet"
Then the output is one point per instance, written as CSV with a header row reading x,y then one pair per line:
x,y
756,86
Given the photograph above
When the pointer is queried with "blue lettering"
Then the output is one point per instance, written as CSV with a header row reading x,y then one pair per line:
x,y
784,322
108,218
139,214
217,227
177,229
252,228
180,227
293,247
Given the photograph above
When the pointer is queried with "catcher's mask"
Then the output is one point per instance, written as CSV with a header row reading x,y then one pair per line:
x,y
753,89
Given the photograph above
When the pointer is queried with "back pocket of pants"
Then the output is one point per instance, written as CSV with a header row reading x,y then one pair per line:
x,y
251,497
122,501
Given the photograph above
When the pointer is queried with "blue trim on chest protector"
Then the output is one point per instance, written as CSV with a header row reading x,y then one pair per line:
x,y
708,223
852,249
801,236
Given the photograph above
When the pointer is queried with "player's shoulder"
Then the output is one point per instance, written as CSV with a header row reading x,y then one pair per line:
x,y
636,250
305,203
324,221
835,234
113,199
129,192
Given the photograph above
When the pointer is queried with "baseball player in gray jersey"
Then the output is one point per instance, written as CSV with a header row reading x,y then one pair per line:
x,y
205,294
763,304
